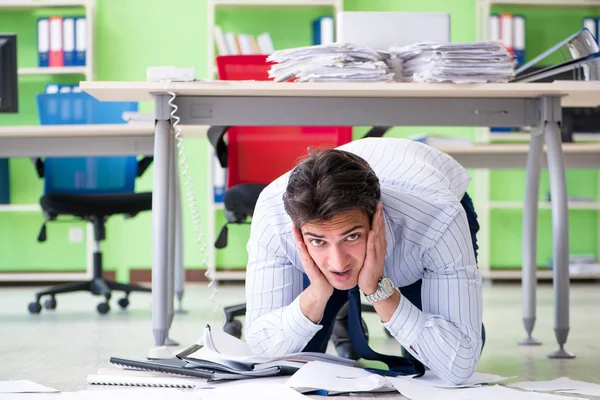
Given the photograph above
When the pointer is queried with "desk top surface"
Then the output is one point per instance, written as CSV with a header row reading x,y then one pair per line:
x,y
582,94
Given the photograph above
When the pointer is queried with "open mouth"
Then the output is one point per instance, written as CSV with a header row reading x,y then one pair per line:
x,y
342,273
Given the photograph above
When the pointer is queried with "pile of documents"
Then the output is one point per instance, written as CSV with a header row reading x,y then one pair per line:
x,y
225,357
477,62
330,63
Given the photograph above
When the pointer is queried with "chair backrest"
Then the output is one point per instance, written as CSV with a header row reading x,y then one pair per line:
x,y
85,175
258,154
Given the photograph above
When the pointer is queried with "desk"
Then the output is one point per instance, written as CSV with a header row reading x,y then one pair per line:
x,y
514,156
89,140
228,103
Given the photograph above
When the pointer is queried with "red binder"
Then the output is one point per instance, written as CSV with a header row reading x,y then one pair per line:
x,y
56,42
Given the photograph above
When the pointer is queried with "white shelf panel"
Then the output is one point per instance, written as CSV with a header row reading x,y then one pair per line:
x,y
43,276
512,274
27,4
525,137
52,71
561,3
576,205
230,275
20,208
274,2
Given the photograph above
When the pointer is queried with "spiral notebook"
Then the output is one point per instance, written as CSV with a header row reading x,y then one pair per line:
x,y
124,377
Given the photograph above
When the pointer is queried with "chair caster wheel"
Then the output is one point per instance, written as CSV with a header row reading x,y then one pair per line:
x,y
234,328
50,304
103,308
34,307
123,303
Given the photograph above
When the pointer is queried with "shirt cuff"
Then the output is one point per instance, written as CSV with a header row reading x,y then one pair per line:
x,y
296,323
407,323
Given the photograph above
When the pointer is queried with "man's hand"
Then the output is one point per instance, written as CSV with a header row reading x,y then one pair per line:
x,y
314,298
372,270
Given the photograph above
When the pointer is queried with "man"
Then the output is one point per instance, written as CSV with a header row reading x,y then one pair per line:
x,y
377,214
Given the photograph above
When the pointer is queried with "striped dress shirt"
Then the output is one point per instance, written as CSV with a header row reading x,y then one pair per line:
x,y
428,238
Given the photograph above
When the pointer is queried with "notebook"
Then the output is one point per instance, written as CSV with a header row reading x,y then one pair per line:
x,y
125,377
168,366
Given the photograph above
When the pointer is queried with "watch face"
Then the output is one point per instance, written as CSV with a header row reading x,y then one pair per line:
x,y
387,285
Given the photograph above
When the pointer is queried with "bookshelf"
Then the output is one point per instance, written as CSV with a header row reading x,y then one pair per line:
x,y
484,180
26,12
213,8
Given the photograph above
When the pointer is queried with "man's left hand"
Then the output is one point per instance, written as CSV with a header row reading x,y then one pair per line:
x,y
372,270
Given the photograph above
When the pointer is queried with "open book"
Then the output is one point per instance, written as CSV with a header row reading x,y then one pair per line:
x,y
232,358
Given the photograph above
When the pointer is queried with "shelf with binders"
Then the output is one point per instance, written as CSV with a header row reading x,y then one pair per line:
x,y
499,193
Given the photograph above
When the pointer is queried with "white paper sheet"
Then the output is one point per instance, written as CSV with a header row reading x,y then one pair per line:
x,y
415,390
23,386
251,390
317,375
563,385
477,379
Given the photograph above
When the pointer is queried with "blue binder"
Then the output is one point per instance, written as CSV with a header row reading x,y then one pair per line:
x,y
4,182
69,41
80,40
323,30
519,38
43,42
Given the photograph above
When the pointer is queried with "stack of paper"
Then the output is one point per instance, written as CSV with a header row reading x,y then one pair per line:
x,y
330,63
477,62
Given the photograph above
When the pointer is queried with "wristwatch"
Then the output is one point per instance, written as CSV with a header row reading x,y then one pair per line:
x,y
385,289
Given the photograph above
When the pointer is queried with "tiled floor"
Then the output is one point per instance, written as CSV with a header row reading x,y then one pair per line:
x,y
60,348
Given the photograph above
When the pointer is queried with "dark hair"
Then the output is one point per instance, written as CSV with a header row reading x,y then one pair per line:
x,y
327,183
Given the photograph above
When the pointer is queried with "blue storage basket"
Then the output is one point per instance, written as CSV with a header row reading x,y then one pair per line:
x,y
86,175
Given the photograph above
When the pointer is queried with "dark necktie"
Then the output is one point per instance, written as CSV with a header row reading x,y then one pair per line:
x,y
399,365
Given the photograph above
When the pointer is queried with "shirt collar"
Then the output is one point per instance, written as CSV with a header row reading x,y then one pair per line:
x,y
390,236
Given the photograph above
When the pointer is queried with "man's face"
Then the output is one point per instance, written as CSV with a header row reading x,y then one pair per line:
x,y
339,246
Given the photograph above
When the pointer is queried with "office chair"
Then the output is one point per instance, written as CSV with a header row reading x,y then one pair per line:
x,y
243,155
92,189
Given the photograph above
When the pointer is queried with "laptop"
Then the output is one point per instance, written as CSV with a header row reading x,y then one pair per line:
x,y
380,30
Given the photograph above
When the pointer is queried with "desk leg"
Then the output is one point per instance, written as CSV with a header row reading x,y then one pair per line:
x,y
160,218
560,224
179,267
530,218
171,235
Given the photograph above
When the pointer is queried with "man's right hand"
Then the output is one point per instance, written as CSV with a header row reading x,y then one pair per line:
x,y
314,298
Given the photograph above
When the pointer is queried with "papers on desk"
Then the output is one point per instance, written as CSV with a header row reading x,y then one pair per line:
x,y
478,62
337,379
23,386
330,63
562,385
414,389
477,379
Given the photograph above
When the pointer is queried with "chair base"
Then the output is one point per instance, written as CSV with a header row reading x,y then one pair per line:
x,y
97,286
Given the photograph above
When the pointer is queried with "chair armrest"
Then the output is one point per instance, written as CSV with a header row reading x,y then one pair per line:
x,y
143,165
38,163
216,138
377,131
